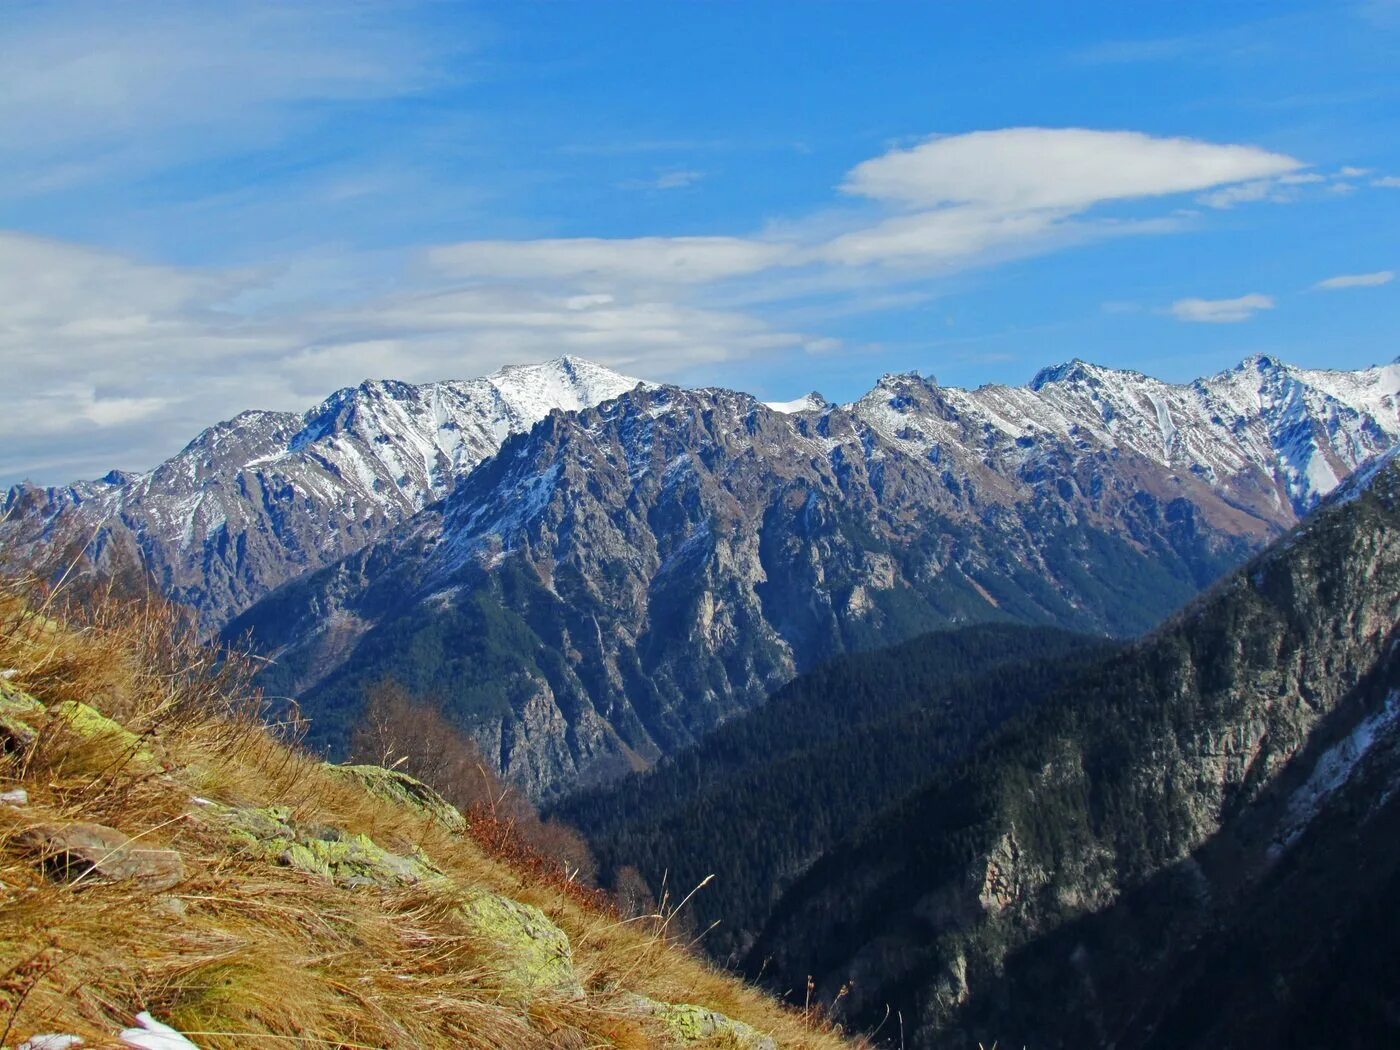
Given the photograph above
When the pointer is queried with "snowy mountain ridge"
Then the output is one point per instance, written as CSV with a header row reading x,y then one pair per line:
x,y
1280,436
257,499
252,502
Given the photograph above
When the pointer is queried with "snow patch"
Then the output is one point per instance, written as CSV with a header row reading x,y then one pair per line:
x,y
1334,769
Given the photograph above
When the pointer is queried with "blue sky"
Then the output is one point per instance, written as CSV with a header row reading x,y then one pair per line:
x,y
210,207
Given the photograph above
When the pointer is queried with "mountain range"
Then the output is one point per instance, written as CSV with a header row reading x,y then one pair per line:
x,y
591,573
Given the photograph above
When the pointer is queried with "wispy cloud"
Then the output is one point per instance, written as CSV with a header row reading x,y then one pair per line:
x,y
95,89
668,180
1221,311
164,350
589,260
1355,280
1283,189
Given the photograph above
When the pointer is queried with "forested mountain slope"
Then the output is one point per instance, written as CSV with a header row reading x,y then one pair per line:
x,y
758,800
1175,850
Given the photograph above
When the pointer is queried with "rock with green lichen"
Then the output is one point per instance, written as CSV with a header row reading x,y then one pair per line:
x,y
537,953
688,1023
352,860
93,725
20,717
355,860
404,790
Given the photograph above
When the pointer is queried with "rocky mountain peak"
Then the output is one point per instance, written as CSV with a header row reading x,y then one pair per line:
x,y
257,499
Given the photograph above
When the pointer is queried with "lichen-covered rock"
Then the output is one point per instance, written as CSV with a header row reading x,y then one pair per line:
x,y
354,860
688,1023
98,853
537,953
349,859
20,717
404,790
92,724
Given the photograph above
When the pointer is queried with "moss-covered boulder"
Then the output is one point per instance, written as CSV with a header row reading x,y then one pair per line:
x,y
403,790
349,859
688,1023
533,953
93,725
20,717
355,860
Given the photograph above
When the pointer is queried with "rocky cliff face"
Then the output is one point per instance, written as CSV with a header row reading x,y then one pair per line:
x,y
255,501
1146,860
620,580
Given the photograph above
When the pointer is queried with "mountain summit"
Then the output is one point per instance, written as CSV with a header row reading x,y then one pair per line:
x,y
256,500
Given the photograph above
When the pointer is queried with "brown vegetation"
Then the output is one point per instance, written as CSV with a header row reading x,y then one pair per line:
x,y
245,952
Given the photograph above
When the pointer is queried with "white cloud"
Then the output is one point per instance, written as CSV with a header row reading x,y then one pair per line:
x,y
667,180
1356,280
94,88
1390,182
1019,190
1221,311
1028,168
162,351
662,260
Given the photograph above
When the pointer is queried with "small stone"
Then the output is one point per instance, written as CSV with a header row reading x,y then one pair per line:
x,y
17,797
52,1041
175,907
96,852
150,1034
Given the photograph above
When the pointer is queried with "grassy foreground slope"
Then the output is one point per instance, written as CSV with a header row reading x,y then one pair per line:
x,y
161,852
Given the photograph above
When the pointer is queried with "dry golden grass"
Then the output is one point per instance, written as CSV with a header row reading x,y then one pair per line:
x,y
246,953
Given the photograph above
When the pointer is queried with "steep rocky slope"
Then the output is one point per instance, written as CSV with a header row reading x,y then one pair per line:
x,y
255,501
171,876
618,581
1187,847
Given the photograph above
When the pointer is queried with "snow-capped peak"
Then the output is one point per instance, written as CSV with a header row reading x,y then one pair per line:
x,y
812,402
568,383
1285,434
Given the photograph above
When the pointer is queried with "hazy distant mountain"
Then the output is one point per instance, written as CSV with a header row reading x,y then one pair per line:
x,y
252,502
620,580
